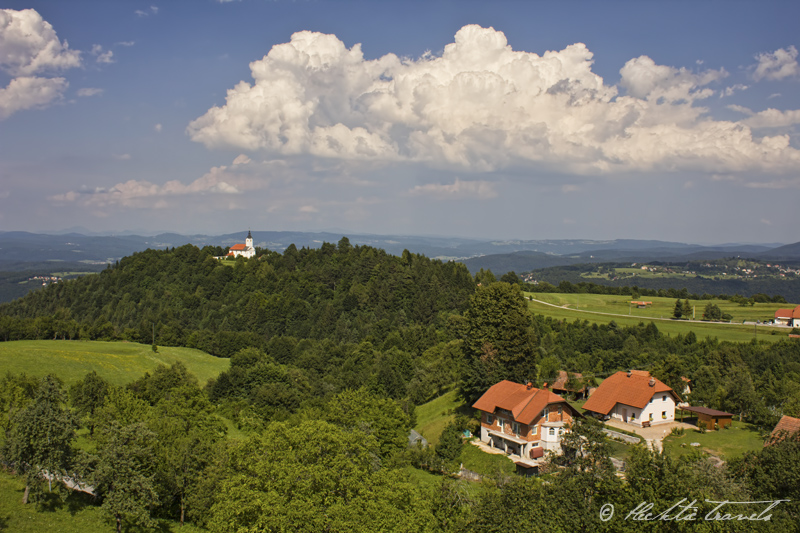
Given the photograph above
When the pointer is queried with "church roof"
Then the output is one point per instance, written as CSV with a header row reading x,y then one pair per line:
x,y
238,247
248,235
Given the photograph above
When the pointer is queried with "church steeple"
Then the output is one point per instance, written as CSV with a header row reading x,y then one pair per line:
x,y
248,242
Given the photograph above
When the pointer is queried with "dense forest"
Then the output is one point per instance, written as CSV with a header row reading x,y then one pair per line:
x,y
330,352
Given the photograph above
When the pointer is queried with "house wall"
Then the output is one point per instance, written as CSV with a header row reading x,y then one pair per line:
x,y
657,405
535,434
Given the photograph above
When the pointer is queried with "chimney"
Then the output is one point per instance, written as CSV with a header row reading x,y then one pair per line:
x,y
652,382
530,385
629,373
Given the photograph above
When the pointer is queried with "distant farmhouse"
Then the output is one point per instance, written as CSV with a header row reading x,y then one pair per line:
x,y
243,250
788,317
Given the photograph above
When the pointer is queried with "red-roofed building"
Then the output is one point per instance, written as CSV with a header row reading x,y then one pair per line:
x,y
788,317
787,426
244,250
523,420
634,397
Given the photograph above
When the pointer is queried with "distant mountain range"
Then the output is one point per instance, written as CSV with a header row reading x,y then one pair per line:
x,y
20,248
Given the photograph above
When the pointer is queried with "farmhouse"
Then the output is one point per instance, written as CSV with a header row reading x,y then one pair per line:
x,y
788,317
523,421
243,250
634,397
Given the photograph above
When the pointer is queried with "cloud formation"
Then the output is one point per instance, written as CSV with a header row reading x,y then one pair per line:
x,y
483,106
780,64
769,118
240,177
29,46
457,190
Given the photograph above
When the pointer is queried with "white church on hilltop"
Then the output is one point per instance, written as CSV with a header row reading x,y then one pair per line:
x,y
243,250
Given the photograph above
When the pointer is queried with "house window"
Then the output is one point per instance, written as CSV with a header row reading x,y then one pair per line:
x,y
664,398
535,430
559,411
489,419
552,431
633,416
500,422
545,413
664,414
515,428
651,417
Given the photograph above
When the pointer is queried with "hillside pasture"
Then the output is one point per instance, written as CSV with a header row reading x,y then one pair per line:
x,y
603,308
117,362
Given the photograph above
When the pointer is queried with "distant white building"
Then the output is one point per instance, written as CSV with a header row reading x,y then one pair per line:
x,y
243,250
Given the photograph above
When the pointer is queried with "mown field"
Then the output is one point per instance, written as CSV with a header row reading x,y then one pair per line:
x,y
117,362
602,309
726,443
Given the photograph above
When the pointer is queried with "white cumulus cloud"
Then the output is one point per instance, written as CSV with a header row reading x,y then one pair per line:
x,y
780,64
769,118
29,46
30,93
482,106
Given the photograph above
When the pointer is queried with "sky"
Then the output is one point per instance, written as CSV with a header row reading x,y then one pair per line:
x,y
675,121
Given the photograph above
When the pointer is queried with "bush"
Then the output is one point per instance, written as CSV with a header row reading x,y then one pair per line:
x,y
702,427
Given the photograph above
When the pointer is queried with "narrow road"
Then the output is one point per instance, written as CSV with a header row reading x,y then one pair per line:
x,y
567,306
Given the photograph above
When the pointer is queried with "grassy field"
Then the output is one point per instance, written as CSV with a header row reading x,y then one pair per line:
x,y
591,306
117,362
76,515
433,416
724,443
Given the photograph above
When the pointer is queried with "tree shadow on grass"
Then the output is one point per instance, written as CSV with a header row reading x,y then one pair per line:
x,y
4,522
78,501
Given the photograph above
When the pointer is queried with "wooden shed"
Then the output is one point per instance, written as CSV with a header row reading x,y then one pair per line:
x,y
714,419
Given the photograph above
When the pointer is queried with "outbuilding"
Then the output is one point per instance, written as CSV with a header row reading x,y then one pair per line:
x,y
714,419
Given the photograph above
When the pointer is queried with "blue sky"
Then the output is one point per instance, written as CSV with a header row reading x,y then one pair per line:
x,y
503,120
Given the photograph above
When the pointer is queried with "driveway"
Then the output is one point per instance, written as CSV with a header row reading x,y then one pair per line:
x,y
653,435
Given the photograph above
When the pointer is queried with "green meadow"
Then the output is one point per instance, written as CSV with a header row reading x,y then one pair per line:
x,y
117,362
603,308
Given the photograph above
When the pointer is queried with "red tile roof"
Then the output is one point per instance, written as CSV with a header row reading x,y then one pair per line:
x,y
788,313
619,388
524,403
238,247
787,424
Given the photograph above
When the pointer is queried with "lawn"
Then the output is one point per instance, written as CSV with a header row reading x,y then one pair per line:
x,y
486,464
724,443
602,309
117,362
433,416
76,515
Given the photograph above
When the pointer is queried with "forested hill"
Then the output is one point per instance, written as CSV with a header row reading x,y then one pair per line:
x,y
186,297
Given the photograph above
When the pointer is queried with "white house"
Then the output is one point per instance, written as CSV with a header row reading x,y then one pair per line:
x,y
634,397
